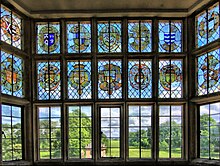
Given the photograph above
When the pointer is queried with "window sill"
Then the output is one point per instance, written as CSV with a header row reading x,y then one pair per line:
x,y
21,162
205,162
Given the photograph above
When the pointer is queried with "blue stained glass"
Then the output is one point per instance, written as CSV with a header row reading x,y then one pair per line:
x,y
208,73
110,79
49,80
170,36
10,27
139,79
170,78
201,75
48,38
139,36
201,29
207,26
109,36
213,23
12,74
79,37
79,79
6,78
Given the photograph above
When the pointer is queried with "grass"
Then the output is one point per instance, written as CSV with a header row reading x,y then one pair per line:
x,y
134,152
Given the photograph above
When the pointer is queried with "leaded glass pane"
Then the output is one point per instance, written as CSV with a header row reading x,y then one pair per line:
x,y
80,132
170,36
139,79
79,37
209,131
10,27
208,73
79,79
170,78
139,36
213,23
170,131
140,131
109,36
110,79
49,132
202,71
16,31
48,38
214,71
12,133
48,80
110,132
5,25
6,73
11,74
201,29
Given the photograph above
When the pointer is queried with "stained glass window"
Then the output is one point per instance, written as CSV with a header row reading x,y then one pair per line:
x,y
11,132
49,127
109,79
170,36
80,132
79,37
110,132
170,131
11,27
140,131
207,26
48,80
79,79
109,36
139,36
213,23
208,73
170,78
139,79
209,131
48,38
12,69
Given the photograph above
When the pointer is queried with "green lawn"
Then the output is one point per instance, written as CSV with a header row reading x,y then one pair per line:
x,y
134,152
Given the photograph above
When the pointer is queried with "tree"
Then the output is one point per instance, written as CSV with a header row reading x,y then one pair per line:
x,y
165,135
8,145
207,145
136,140
80,132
